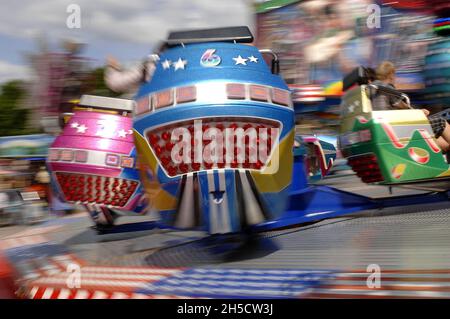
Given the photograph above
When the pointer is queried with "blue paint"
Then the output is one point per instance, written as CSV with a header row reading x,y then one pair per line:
x,y
131,227
233,209
309,205
20,254
204,194
239,283
194,72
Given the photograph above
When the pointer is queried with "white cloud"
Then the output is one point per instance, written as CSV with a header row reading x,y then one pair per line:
x,y
122,23
133,21
9,71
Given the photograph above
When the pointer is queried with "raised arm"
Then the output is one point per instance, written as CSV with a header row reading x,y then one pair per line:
x,y
120,80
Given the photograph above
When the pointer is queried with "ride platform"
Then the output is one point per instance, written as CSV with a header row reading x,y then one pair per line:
x,y
334,257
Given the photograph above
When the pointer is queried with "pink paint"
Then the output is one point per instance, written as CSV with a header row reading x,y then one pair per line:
x,y
93,127
97,131
362,120
93,143
310,139
84,169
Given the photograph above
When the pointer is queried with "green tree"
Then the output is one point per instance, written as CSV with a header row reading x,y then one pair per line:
x,y
13,119
97,84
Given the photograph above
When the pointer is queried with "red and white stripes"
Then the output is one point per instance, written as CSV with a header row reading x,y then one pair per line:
x,y
307,93
393,284
123,282
96,282
42,292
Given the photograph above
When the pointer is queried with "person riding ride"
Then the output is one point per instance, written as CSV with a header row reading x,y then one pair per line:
x,y
385,77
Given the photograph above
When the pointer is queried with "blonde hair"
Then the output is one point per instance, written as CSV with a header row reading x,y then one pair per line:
x,y
384,70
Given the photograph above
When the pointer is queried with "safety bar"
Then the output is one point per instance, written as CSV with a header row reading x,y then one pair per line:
x,y
389,91
275,68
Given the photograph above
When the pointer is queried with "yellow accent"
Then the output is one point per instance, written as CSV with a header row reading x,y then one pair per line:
x,y
334,88
66,118
402,117
81,108
398,170
278,174
144,150
446,173
420,151
159,198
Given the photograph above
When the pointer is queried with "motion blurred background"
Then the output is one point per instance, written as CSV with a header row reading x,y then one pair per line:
x,y
45,65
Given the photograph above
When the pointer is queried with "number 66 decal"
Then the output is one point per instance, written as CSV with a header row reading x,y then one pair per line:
x,y
209,59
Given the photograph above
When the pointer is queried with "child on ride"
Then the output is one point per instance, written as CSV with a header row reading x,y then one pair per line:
x,y
122,80
385,74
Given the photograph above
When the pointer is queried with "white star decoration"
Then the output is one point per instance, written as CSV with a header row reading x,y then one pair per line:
x,y
105,128
180,64
123,133
74,125
166,64
81,129
240,60
253,59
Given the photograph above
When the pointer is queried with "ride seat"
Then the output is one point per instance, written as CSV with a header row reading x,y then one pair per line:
x,y
382,145
399,124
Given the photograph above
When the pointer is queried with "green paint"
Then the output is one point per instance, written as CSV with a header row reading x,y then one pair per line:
x,y
388,155
272,5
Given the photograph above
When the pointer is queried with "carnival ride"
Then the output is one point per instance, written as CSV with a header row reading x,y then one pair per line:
x,y
93,161
209,76
393,147
207,86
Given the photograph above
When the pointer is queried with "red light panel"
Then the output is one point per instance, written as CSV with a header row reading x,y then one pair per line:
x,y
67,155
107,190
81,156
162,146
259,93
143,106
53,155
127,162
236,91
186,94
280,97
112,160
163,99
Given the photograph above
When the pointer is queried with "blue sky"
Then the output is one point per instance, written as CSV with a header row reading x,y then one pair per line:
x,y
126,29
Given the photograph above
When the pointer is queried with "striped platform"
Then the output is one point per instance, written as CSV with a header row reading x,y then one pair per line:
x,y
393,284
138,283
323,260
97,283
